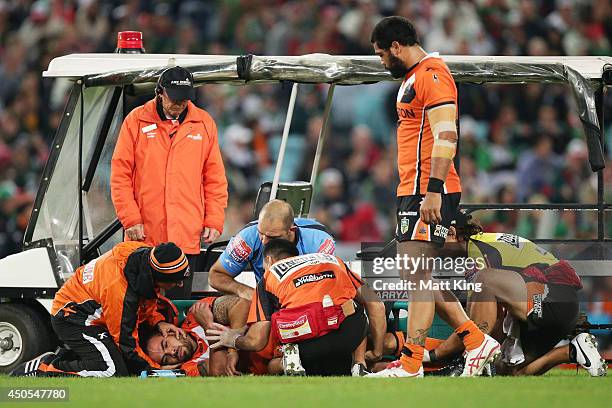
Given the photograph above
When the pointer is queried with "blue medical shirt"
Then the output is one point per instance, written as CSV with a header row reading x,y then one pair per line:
x,y
246,247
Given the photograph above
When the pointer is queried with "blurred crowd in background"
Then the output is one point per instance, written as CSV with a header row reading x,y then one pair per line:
x,y
520,144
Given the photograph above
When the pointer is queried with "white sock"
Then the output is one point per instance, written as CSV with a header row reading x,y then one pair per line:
x,y
426,356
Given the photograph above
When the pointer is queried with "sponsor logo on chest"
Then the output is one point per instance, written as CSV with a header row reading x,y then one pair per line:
x,y
509,239
327,247
238,249
406,90
405,95
149,131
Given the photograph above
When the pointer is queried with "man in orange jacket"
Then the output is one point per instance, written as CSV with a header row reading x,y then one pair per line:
x,y
97,312
167,176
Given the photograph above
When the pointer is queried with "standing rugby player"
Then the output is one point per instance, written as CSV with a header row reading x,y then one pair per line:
x,y
429,191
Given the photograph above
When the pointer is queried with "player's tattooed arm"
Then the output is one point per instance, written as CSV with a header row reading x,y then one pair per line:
x,y
236,311
221,308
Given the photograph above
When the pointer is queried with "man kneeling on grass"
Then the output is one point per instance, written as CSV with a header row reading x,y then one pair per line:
x,y
315,305
528,301
98,311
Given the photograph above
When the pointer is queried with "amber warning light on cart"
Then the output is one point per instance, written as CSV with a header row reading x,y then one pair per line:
x,y
130,42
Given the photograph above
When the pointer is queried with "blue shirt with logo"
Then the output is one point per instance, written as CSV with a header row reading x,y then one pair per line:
x,y
246,247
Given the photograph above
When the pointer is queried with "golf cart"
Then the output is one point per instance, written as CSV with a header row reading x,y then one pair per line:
x,y
73,219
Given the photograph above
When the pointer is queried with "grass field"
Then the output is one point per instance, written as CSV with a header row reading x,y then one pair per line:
x,y
561,388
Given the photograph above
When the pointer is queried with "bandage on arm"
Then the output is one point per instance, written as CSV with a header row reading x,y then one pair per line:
x,y
442,123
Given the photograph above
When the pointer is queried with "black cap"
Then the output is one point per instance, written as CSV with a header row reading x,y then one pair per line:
x,y
168,263
178,83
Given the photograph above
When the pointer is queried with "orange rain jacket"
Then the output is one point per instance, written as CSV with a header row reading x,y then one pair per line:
x,y
105,292
174,186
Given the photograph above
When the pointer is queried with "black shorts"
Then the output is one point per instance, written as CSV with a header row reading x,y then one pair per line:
x,y
409,224
332,354
94,353
551,321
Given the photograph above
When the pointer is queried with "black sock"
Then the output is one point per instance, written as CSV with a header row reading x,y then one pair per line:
x,y
432,356
572,353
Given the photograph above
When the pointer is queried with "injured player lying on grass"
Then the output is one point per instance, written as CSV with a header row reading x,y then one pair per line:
x,y
192,354
528,303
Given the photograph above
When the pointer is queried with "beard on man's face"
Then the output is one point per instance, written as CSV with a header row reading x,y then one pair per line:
x,y
190,346
396,67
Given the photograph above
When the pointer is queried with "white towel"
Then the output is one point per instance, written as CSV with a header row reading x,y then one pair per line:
x,y
512,351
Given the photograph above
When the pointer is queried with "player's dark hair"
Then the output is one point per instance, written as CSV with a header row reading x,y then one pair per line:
x,y
394,28
145,333
464,232
279,248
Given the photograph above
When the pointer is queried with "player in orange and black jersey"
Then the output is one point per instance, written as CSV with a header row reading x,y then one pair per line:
x,y
429,191
308,301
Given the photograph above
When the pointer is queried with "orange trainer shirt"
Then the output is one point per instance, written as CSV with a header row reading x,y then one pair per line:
x,y
427,85
301,280
98,294
173,186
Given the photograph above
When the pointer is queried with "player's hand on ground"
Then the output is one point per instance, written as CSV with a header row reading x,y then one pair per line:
x,y
219,336
372,356
202,313
232,363
210,235
430,208
136,232
168,329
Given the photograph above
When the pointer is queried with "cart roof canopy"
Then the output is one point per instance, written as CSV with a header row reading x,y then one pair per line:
x,y
123,69
585,75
